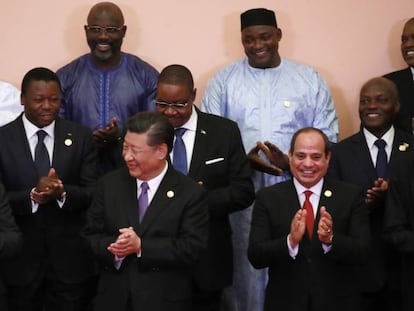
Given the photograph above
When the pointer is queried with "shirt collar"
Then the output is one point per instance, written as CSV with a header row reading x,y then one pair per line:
x,y
316,189
32,129
191,124
371,138
154,182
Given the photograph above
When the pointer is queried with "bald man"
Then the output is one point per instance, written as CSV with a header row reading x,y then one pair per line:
x,y
404,79
103,88
355,160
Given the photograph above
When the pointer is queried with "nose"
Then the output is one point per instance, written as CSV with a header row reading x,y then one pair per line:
x,y
307,161
257,44
46,104
170,111
102,34
126,155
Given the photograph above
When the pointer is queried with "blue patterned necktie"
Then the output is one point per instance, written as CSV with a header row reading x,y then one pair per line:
x,y
382,162
41,158
179,153
143,200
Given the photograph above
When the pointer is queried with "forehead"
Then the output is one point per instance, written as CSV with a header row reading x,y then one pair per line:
x,y
105,16
377,87
172,91
408,28
309,142
136,139
41,86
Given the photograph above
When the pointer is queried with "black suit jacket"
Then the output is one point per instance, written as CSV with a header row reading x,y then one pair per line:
x,y
219,162
405,84
10,240
52,234
351,161
399,222
173,232
327,280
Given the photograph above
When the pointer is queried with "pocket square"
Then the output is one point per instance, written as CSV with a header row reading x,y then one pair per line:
x,y
214,161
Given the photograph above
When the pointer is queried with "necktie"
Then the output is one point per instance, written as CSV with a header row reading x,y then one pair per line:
x,y
143,200
179,153
382,164
41,159
307,205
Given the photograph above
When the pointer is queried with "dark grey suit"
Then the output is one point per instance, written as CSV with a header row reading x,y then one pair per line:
x,y
219,161
173,233
351,161
399,223
405,85
10,240
52,240
325,281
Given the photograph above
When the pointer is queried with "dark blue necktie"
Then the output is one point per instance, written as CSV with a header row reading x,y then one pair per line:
x,y
382,163
143,200
41,158
179,153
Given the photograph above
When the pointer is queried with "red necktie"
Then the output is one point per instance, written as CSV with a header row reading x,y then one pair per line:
x,y
307,205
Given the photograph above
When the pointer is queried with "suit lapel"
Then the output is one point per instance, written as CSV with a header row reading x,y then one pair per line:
x,y
21,144
361,154
64,142
160,201
200,146
131,201
401,144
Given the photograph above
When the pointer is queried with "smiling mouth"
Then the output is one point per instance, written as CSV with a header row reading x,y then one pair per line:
x,y
372,115
103,47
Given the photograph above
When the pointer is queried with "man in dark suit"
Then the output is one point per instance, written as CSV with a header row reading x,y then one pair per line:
x,y
355,160
54,270
10,240
399,223
147,254
310,258
217,160
404,79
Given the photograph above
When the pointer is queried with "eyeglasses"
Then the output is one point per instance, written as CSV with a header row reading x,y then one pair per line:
x,y
164,105
110,30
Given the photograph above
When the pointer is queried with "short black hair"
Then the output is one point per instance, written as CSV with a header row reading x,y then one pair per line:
x,y
38,74
177,75
155,125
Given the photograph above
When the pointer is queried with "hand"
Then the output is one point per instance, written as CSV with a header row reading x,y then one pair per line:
x,y
297,227
48,188
277,161
376,193
127,243
107,135
325,227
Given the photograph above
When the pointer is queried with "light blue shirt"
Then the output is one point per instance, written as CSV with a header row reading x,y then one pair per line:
x,y
10,106
271,104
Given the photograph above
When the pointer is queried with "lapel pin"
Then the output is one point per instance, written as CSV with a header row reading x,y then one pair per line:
x,y
203,132
68,141
170,194
403,147
328,193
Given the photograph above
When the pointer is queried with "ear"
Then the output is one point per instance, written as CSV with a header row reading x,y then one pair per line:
x,y
22,99
162,151
194,94
397,107
279,34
